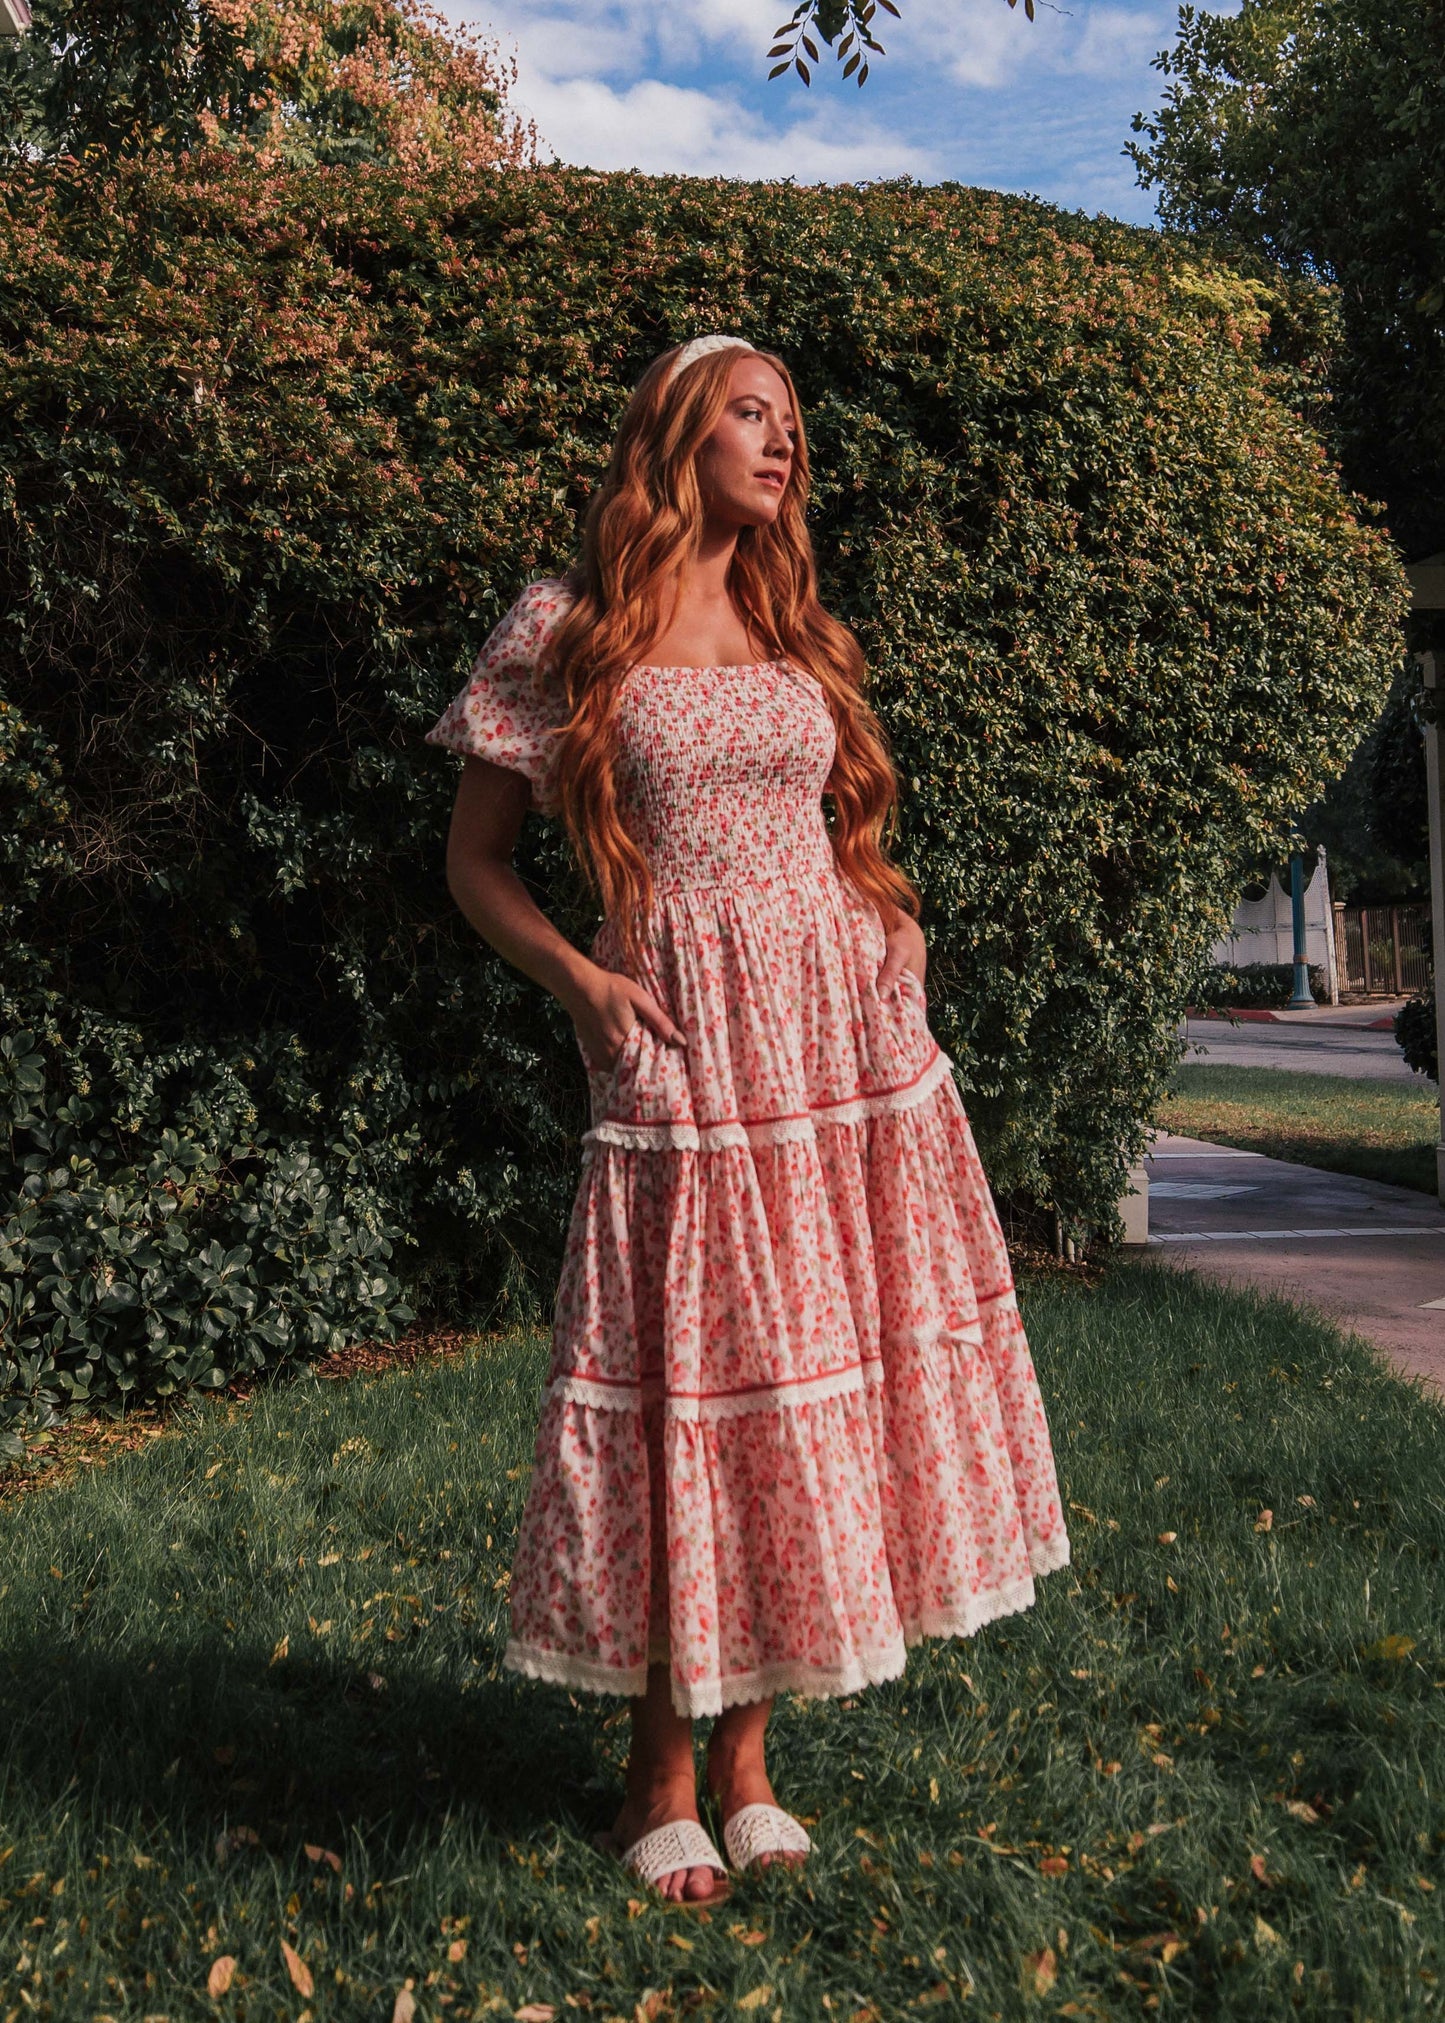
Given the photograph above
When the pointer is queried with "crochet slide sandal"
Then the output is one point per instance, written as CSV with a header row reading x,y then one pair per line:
x,y
678,1845
757,1830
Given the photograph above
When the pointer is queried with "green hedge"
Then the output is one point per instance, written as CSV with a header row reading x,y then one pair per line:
x,y
1254,986
279,447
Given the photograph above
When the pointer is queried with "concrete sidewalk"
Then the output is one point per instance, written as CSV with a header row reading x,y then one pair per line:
x,y
1372,1257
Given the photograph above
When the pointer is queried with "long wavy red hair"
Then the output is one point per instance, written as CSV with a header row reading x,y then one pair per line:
x,y
642,526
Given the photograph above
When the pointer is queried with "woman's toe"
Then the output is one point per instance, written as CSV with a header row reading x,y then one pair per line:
x,y
700,1884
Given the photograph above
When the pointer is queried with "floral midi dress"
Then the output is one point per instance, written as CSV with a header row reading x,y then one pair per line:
x,y
791,1423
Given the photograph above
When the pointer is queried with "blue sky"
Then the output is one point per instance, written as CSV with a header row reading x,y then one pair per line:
x,y
969,91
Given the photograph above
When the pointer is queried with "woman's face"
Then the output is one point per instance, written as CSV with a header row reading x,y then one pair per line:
x,y
744,466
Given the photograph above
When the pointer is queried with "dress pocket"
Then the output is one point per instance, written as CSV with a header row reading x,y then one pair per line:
x,y
605,1082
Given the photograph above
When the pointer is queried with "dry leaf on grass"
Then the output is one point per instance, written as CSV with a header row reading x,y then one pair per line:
x,y
322,1854
300,1973
1265,1521
1054,1864
756,1999
746,1936
1258,1869
1041,1970
282,1650
223,1972
535,2012
404,2007
1298,1809
1389,1650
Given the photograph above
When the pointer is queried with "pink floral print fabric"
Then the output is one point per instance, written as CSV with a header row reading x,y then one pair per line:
x,y
791,1424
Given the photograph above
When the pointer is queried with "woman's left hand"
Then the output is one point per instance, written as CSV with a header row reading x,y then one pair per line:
x,y
906,950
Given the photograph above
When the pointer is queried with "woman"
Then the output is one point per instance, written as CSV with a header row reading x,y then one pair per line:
x,y
791,1424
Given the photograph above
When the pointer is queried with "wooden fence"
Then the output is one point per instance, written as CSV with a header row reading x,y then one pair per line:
x,y
1382,951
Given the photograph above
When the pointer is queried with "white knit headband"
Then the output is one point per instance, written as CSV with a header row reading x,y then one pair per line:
x,y
700,347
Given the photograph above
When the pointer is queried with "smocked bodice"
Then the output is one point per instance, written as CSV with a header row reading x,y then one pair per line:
x,y
720,774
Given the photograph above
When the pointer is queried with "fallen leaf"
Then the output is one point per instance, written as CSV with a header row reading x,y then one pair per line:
x,y
404,2007
1297,1809
933,1791
1110,1769
1168,1537
328,1559
1389,1650
1041,1970
457,1950
1054,1864
1265,1521
282,1649
676,1939
323,1854
635,1907
535,2012
745,1936
223,1972
1264,1935
593,1929
1258,1869
1307,1501
756,1999
300,1973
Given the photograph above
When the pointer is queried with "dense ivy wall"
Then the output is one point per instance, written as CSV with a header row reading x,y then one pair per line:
x,y
278,448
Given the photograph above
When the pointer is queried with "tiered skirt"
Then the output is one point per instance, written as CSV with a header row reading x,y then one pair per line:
x,y
791,1424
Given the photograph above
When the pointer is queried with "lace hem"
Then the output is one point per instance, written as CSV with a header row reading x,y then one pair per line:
x,y
707,1697
735,1133
627,1394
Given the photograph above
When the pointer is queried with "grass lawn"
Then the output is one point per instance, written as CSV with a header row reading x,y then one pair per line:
x,y
249,1695
1380,1130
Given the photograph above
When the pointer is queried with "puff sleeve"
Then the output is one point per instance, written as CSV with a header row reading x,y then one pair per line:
x,y
502,714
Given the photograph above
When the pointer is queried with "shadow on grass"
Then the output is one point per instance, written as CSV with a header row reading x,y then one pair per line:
x,y
203,1740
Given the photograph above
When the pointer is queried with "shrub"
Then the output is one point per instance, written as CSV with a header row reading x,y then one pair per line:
x,y
280,445
1418,1035
1254,986
158,1241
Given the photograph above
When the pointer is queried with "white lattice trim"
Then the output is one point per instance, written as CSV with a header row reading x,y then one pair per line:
x,y
756,1830
686,1137
728,1405
678,1845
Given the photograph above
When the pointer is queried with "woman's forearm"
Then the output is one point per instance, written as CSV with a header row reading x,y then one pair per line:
x,y
502,910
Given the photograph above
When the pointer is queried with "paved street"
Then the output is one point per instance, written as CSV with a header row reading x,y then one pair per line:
x,y
1370,1256
1334,1040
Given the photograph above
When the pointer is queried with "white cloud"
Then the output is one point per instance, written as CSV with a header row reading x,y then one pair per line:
x,y
673,129
588,80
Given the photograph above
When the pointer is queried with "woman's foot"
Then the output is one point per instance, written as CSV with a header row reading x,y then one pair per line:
x,y
737,1773
662,1788
658,1802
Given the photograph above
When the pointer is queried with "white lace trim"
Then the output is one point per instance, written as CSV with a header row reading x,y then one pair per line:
x,y
625,1394
682,1137
588,1675
811,1682
630,1397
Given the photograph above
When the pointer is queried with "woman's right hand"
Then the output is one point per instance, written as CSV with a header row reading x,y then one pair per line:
x,y
605,1006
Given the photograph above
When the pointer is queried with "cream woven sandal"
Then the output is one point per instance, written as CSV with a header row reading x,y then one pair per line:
x,y
678,1845
756,1830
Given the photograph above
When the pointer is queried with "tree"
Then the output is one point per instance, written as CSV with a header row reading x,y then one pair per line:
x,y
321,80
845,26
1312,132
